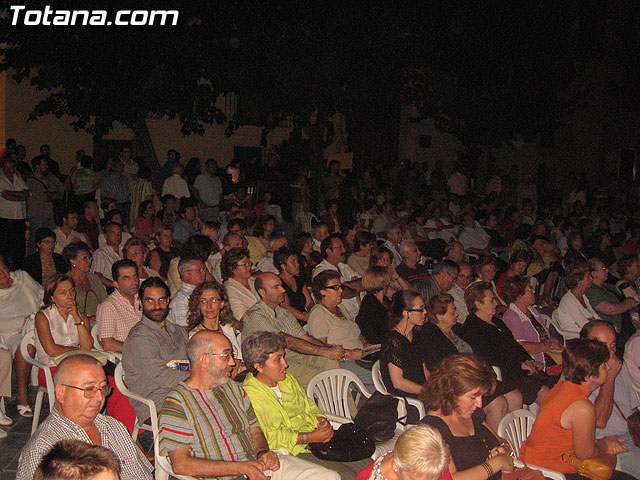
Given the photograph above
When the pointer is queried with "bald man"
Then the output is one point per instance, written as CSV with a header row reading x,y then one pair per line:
x,y
80,388
618,388
306,355
210,402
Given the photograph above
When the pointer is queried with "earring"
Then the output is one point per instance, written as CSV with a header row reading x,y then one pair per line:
x,y
73,265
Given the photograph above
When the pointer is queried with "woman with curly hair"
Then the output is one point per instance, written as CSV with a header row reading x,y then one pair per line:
x,y
209,310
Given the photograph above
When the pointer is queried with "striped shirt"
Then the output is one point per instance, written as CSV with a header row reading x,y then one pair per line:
x,y
114,436
215,424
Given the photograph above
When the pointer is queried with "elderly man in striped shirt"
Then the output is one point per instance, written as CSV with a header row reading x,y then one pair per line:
x,y
208,427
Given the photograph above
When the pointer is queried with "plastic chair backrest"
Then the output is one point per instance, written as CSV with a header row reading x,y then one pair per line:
x,y
119,378
376,374
331,390
515,427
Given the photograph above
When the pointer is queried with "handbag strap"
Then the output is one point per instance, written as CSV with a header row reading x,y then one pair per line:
x,y
621,414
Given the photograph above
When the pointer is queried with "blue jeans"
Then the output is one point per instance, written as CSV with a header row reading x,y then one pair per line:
x,y
629,461
362,373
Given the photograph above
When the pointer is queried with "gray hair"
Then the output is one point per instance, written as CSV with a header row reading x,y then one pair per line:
x,y
448,266
257,347
69,365
185,263
405,245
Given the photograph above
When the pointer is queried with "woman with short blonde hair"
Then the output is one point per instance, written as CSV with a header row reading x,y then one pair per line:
x,y
420,452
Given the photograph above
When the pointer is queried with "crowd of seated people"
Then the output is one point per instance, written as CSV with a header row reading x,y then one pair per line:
x,y
448,283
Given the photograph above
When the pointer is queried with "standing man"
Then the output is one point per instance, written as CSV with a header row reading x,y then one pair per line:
x,y
207,189
13,212
118,186
89,222
40,203
151,347
192,273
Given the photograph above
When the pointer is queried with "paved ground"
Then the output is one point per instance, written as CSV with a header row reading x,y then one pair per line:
x,y
20,432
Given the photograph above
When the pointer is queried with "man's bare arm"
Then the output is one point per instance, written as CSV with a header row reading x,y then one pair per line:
x,y
185,464
110,344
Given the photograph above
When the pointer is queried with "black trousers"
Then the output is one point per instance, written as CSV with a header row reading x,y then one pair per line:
x,y
12,241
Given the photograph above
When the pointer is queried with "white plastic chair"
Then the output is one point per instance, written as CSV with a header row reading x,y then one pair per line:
x,y
498,373
379,384
151,426
29,339
331,390
304,221
114,357
565,334
163,465
515,428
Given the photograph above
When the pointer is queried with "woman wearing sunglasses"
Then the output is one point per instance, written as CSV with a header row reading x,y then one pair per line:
x,y
330,322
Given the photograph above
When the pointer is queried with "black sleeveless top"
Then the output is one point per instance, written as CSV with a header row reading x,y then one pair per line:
x,y
296,299
467,452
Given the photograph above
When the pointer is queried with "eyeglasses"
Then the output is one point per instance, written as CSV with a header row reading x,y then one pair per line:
x,y
223,355
335,287
91,392
209,301
421,309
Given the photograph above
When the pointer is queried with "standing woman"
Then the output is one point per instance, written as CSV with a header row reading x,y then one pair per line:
x,y
161,256
403,371
60,327
298,299
45,263
89,289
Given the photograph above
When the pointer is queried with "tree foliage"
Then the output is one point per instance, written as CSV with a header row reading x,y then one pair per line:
x,y
483,70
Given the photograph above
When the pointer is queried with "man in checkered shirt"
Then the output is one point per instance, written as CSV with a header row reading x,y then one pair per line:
x,y
81,387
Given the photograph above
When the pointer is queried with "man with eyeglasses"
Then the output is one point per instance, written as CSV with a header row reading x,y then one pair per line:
x,y
80,389
333,252
192,273
152,348
208,427
442,278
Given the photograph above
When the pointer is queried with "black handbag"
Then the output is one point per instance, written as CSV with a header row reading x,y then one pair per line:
x,y
348,444
378,417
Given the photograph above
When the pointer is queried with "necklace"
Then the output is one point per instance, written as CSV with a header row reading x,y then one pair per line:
x,y
210,329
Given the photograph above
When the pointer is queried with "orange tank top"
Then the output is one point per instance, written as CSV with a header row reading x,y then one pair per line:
x,y
548,439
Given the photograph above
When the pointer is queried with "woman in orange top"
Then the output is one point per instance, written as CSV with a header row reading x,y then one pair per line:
x,y
567,418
